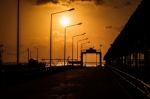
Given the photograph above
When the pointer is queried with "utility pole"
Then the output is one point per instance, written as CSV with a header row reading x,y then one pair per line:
x,y
28,50
18,42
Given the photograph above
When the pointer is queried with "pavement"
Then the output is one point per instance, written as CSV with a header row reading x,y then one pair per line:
x,y
84,83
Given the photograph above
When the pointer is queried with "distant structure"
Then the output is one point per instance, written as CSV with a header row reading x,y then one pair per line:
x,y
91,51
131,49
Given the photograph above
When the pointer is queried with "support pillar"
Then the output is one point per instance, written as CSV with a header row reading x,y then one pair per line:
x,y
100,59
82,59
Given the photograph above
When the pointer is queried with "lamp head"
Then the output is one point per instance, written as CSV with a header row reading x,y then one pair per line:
x,y
71,9
79,23
83,33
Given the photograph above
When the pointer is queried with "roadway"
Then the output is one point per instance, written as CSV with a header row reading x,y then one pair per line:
x,y
85,83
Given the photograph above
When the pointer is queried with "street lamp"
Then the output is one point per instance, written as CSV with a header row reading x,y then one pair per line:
x,y
28,50
84,44
18,30
100,46
65,39
101,54
78,44
73,43
51,31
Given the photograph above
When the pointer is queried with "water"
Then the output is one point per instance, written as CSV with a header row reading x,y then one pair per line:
x,y
88,64
91,64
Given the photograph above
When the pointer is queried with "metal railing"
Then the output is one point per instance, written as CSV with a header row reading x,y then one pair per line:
x,y
140,85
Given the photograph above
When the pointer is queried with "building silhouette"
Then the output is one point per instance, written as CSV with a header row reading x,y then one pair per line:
x,y
130,51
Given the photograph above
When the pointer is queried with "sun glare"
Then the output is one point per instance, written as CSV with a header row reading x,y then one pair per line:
x,y
65,21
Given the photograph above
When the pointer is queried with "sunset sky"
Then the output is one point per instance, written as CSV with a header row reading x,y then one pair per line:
x,y
102,22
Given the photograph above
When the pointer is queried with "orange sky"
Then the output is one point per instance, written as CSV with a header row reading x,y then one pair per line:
x,y
101,23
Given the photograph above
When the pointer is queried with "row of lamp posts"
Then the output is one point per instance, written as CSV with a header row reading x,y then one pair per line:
x,y
51,21
65,40
51,27
64,36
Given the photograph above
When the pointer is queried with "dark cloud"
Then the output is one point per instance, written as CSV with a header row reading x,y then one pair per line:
x,y
108,27
46,1
111,3
98,2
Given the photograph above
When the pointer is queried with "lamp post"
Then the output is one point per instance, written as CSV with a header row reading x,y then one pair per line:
x,y
65,39
101,54
73,43
51,31
18,30
28,50
78,44
84,44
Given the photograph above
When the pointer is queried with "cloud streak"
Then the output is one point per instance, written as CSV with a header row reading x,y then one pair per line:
x,y
38,2
111,3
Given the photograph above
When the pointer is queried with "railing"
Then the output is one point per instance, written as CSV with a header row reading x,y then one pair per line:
x,y
140,85
55,62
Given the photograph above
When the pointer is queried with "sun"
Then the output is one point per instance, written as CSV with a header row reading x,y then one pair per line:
x,y
65,20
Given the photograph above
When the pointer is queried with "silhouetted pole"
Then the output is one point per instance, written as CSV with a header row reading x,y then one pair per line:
x,y
96,59
85,59
65,40
37,53
100,58
73,43
65,47
51,21
28,54
18,42
50,56
100,55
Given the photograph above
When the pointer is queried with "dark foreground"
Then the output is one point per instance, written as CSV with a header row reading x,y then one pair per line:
x,y
85,83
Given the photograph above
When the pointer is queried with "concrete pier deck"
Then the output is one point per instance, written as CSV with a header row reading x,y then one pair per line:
x,y
84,83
